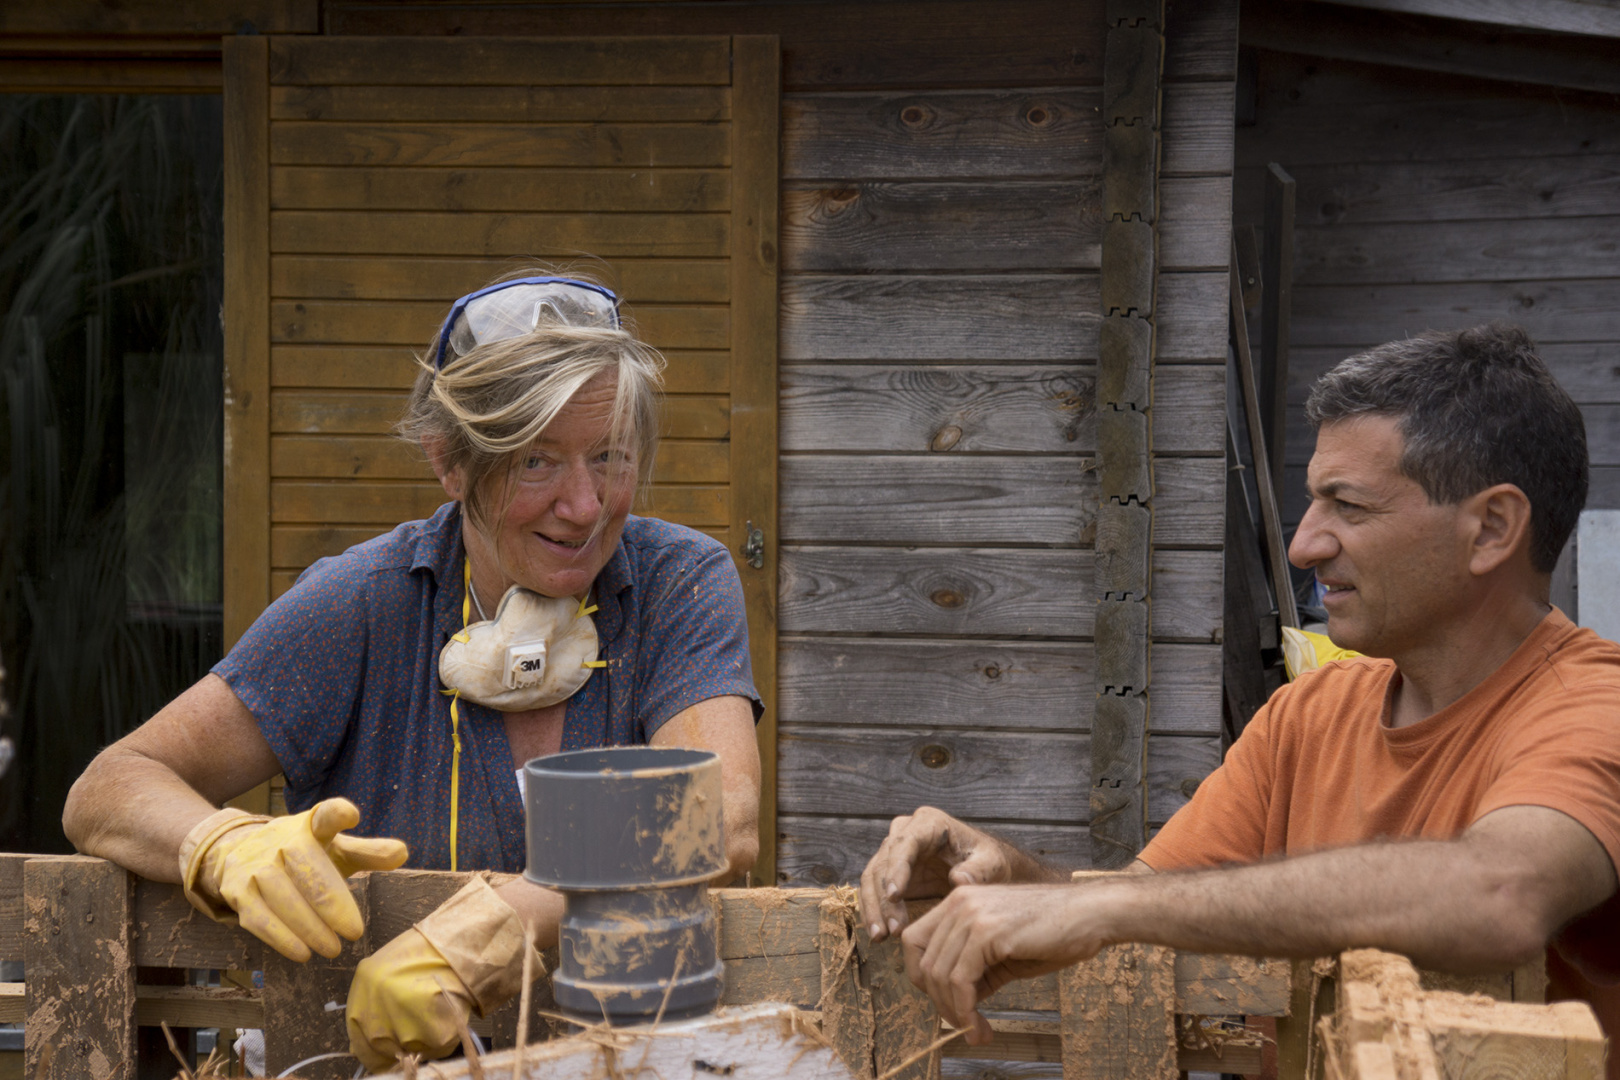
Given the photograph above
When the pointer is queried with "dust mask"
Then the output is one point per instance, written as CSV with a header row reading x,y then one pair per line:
x,y
536,651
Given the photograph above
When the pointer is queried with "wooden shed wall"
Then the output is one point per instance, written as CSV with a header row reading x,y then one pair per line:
x,y
1439,201
941,225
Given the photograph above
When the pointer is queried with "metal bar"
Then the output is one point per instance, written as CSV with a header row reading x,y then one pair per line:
x,y
1270,520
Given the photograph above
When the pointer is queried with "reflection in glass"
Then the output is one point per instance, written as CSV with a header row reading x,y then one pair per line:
x,y
111,272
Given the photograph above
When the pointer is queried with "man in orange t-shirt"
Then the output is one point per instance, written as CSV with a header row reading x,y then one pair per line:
x,y
1456,800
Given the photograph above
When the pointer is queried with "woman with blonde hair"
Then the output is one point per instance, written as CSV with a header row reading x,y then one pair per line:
x,y
404,683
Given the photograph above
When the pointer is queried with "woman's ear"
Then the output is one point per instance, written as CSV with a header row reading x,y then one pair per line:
x,y
450,478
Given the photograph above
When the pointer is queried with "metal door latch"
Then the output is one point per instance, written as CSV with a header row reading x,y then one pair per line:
x,y
753,548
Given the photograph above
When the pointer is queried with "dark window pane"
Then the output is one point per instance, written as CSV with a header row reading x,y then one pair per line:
x,y
111,271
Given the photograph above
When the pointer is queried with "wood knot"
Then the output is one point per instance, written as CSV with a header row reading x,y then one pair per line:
x,y
945,438
1037,116
992,671
916,116
837,200
1189,786
948,598
935,756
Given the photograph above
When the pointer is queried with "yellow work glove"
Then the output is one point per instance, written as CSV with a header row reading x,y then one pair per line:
x,y
281,878
414,994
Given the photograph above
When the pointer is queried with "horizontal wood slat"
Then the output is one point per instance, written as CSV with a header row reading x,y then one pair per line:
x,y
821,851
1014,225
986,409
1196,134
483,61
416,323
1002,134
384,457
853,771
299,502
526,104
842,43
981,684
981,592
358,232
1349,193
988,317
328,412
1535,249
508,189
690,371
360,277
963,500
1386,114
1552,311
1586,369
297,142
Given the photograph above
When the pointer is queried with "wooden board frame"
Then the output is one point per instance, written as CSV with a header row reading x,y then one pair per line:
x,y
798,946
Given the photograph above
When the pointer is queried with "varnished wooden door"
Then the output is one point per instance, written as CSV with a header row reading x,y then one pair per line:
x,y
370,181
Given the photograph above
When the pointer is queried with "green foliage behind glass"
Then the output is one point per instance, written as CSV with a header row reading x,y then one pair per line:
x,y
111,270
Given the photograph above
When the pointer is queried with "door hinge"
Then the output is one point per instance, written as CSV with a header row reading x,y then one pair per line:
x,y
753,549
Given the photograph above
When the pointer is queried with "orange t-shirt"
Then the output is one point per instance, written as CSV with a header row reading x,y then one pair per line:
x,y
1319,766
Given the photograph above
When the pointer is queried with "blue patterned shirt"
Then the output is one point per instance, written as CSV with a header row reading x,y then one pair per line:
x,y
342,675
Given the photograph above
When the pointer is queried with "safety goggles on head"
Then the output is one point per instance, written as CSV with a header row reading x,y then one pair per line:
x,y
510,309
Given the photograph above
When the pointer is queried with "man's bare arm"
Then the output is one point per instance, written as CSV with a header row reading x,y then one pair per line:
x,y
141,796
1488,900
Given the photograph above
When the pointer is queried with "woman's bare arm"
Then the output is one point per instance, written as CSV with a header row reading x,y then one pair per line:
x,y
141,796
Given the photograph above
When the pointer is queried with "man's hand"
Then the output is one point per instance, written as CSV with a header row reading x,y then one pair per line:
x,y
929,853
982,938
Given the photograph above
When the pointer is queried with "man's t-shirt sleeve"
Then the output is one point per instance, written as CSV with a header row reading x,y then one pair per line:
x,y
299,667
1568,760
697,643
1225,822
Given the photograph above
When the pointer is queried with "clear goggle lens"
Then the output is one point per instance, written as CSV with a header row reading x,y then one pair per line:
x,y
513,309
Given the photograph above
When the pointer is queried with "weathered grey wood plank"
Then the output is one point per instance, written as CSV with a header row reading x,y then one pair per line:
x,y
1534,249
1196,133
1353,193
938,134
1002,408
864,772
921,225
821,851
1604,493
1552,311
986,317
1195,222
1200,39
848,43
1589,371
987,225
981,684
973,500
1327,111
981,592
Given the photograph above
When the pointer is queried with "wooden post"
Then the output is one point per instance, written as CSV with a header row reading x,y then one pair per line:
x,y
80,969
297,1023
846,1000
1275,301
756,88
1132,76
903,1013
1119,1015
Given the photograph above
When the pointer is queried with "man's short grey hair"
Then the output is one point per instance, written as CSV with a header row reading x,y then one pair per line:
x,y
1476,408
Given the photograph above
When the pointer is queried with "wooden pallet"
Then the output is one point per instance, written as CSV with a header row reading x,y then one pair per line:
x,y
85,929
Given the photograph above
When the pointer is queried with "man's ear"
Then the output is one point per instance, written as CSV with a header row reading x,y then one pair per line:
x,y
451,479
1499,519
